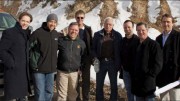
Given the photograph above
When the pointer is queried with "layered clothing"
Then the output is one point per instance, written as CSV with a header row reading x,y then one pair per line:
x,y
171,58
43,50
97,46
106,48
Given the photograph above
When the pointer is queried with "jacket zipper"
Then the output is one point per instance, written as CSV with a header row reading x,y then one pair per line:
x,y
51,50
71,49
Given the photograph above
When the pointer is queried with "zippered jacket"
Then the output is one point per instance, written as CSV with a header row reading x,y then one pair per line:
x,y
71,54
43,50
97,45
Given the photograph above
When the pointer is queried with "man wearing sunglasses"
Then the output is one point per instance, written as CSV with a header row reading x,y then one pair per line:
x,y
85,33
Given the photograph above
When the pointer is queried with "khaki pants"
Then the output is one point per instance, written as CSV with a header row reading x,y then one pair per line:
x,y
171,95
66,86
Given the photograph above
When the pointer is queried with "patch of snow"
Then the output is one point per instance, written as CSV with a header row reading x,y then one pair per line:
x,y
153,10
175,10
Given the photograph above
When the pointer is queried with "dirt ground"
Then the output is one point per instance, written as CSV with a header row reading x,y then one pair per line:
x,y
121,93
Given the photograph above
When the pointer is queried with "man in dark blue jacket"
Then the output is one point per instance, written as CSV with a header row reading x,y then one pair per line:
x,y
106,48
70,60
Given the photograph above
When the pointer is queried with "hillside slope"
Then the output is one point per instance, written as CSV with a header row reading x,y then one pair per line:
x,y
139,9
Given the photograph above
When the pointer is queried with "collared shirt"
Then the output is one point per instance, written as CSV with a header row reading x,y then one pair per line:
x,y
165,36
107,49
81,33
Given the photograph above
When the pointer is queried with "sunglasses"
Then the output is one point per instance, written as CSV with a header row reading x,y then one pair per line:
x,y
80,17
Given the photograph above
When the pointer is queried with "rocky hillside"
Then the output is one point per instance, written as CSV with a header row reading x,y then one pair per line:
x,y
139,9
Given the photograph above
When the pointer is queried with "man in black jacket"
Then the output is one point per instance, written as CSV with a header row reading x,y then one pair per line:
x,y
85,33
169,41
71,58
128,49
43,58
147,65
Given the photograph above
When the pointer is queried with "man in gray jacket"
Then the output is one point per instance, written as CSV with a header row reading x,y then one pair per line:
x,y
70,56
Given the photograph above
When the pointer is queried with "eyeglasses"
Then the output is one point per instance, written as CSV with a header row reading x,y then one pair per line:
x,y
80,17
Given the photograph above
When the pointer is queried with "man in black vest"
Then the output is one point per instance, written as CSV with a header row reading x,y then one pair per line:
x,y
85,33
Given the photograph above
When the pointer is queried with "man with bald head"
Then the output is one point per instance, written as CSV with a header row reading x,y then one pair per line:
x,y
106,48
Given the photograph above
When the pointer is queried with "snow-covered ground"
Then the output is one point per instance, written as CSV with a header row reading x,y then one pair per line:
x,y
92,19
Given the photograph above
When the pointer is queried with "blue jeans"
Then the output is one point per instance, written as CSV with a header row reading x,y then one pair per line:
x,y
127,82
147,98
106,66
43,86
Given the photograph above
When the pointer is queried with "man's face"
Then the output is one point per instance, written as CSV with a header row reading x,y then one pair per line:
x,y
128,28
51,24
108,25
80,18
167,24
73,31
142,32
25,21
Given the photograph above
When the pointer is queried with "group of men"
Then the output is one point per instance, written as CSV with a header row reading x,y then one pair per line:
x,y
148,63
145,63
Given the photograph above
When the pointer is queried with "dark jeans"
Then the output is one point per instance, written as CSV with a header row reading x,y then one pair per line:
x,y
85,83
127,82
147,98
19,99
106,66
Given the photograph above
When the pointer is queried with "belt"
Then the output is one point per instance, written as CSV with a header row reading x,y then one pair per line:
x,y
70,71
106,59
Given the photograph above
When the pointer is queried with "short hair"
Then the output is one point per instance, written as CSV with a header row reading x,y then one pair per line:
x,y
108,18
129,21
167,16
72,24
79,12
141,23
25,14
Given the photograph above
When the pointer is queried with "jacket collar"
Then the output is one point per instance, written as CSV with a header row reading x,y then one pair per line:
x,y
103,33
25,32
68,38
145,41
44,26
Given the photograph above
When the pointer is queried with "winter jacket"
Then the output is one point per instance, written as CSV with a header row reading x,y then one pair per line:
x,y
97,45
14,52
43,50
147,65
88,38
34,55
171,59
71,54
